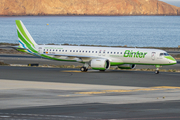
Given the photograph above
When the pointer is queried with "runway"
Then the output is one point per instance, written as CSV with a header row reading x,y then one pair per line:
x,y
59,93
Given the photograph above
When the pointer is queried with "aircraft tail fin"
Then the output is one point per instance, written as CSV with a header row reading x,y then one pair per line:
x,y
25,39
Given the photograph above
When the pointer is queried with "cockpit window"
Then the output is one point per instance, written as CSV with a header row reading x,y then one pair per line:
x,y
161,54
164,54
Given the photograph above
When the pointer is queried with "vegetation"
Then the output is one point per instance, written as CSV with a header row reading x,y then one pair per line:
x,y
2,63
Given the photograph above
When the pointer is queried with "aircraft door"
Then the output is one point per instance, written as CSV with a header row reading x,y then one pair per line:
x,y
40,50
153,55
102,52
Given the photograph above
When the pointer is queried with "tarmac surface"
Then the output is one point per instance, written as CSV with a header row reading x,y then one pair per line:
x,y
36,93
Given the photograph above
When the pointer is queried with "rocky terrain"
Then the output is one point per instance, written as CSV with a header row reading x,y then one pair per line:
x,y
86,7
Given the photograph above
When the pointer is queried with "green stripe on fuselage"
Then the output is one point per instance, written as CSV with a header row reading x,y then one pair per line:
x,y
115,63
46,56
170,58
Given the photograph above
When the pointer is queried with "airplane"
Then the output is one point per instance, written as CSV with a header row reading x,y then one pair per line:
x,y
98,58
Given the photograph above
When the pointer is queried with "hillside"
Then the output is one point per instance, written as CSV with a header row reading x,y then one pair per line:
x,y
86,7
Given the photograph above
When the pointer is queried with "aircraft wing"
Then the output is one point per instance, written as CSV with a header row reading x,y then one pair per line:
x,y
75,56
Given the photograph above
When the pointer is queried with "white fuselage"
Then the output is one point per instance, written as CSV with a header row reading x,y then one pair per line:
x,y
116,56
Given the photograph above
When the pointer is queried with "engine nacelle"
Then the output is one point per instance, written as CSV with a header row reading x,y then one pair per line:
x,y
127,66
100,64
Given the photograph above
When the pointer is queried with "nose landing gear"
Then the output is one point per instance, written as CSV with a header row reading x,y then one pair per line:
x,y
157,69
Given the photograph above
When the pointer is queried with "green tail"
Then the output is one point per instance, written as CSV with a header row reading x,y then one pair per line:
x,y
25,39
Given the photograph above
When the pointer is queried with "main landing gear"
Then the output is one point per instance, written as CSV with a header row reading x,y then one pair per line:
x,y
157,69
84,68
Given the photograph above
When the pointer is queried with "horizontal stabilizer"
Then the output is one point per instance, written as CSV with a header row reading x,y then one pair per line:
x,y
18,48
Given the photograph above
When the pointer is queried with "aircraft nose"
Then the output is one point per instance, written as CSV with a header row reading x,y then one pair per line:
x,y
171,59
175,62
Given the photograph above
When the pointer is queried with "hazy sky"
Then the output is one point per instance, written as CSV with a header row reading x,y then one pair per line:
x,y
169,0
173,2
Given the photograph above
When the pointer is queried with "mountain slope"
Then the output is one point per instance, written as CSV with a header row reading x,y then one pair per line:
x,y
87,7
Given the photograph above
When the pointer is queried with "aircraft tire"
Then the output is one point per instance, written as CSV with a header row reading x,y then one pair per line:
x,y
83,69
157,72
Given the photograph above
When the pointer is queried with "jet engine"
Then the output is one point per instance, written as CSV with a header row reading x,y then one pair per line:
x,y
100,64
127,66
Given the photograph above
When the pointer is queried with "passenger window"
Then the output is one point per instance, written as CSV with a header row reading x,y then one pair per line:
x,y
66,50
117,52
111,52
47,49
92,51
96,51
76,50
70,50
114,52
80,51
73,50
107,52
89,51
62,50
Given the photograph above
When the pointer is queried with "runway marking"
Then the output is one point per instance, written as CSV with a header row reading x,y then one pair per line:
x,y
133,90
167,87
72,95
150,118
35,116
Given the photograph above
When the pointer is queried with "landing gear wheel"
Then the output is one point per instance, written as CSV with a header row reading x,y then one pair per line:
x,y
157,69
157,72
83,69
